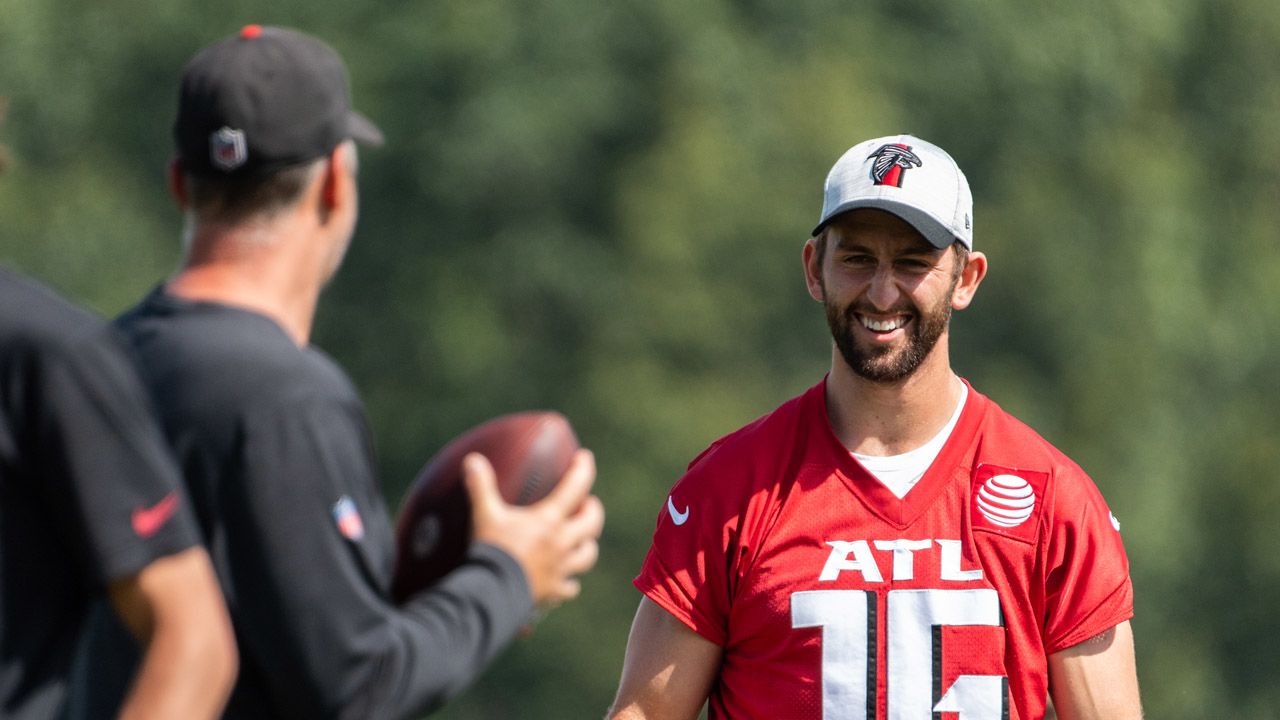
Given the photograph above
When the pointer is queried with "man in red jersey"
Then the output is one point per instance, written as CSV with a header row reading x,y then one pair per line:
x,y
889,545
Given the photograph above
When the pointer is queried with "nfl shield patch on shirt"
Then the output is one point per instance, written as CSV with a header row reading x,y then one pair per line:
x,y
1007,501
347,517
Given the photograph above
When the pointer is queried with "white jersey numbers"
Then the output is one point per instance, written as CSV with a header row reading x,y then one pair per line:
x,y
914,653
848,622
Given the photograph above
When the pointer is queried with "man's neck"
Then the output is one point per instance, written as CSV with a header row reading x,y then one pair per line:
x,y
261,278
875,418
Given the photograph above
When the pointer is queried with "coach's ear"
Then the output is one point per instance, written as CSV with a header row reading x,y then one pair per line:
x,y
812,257
178,183
338,180
975,268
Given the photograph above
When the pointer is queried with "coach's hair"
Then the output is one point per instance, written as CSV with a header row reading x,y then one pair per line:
x,y
230,200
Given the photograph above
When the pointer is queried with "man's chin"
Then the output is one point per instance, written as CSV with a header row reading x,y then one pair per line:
x,y
879,370
883,376
880,365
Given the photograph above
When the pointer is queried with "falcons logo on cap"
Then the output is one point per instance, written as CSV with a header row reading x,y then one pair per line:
x,y
890,163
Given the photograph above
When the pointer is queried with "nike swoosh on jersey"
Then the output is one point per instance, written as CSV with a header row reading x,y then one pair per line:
x,y
677,517
147,521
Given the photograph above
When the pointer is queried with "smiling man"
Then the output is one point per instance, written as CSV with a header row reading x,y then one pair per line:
x,y
890,544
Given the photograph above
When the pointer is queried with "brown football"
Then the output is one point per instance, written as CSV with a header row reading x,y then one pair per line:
x,y
530,452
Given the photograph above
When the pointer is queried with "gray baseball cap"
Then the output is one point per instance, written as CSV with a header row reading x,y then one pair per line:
x,y
909,177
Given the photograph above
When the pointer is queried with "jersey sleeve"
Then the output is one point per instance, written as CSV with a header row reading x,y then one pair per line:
x,y
311,568
1087,584
689,566
104,460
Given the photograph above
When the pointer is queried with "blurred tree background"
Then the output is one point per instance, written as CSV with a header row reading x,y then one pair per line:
x,y
599,208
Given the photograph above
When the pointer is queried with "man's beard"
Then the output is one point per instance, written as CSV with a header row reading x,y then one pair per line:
x,y
885,364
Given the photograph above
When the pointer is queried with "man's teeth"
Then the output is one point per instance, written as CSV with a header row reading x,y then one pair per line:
x,y
883,325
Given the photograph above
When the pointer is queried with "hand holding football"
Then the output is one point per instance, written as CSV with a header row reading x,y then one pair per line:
x,y
529,451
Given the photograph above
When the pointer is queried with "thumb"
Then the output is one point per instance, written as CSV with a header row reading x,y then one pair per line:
x,y
482,484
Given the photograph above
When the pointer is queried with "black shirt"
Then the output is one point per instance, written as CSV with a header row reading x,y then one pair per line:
x,y
277,456
88,490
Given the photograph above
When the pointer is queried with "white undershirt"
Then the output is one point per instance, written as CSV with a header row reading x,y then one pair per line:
x,y
900,473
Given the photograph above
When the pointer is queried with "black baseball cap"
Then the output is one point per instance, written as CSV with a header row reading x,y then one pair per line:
x,y
262,100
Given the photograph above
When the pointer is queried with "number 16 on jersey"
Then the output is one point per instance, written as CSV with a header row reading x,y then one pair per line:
x,y
914,650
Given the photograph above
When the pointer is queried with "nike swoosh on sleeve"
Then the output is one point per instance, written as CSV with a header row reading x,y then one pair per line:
x,y
147,521
677,517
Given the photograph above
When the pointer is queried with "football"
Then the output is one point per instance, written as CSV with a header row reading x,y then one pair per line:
x,y
530,452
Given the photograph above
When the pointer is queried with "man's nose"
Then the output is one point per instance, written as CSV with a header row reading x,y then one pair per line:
x,y
883,292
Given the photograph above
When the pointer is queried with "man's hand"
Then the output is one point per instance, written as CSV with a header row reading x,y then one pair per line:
x,y
554,540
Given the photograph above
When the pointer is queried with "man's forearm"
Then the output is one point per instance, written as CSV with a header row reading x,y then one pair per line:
x,y
175,608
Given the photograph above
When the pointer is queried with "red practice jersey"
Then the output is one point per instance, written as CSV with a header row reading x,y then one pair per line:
x,y
835,600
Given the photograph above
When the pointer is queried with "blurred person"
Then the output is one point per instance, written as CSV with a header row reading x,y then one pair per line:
x,y
889,544
90,504
272,436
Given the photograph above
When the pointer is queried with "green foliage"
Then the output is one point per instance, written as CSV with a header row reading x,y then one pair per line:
x,y
599,207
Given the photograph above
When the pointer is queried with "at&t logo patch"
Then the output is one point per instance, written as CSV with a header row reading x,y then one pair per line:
x,y
1007,501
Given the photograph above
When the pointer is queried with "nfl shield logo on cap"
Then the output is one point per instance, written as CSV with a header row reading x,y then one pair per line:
x,y
227,149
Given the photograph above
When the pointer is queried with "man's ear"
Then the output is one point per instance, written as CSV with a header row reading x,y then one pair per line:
x,y
178,183
331,192
812,257
975,269
339,179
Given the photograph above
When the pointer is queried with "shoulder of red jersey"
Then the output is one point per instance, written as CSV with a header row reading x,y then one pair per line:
x,y
1008,444
750,462
1006,440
